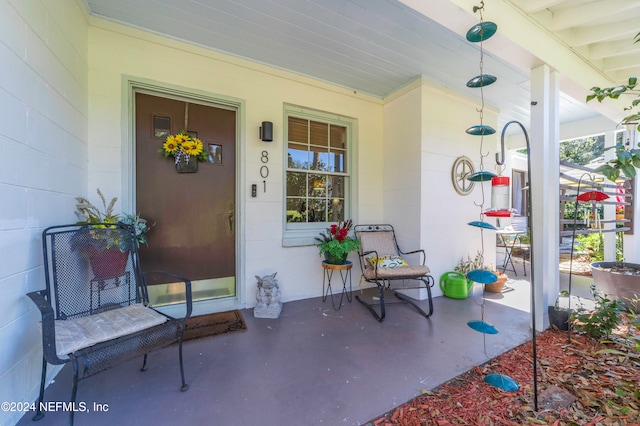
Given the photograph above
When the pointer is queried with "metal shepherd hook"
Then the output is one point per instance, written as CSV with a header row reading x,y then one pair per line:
x,y
500,162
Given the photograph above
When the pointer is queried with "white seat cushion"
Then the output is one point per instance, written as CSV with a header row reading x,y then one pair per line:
x,y
79,333
409,271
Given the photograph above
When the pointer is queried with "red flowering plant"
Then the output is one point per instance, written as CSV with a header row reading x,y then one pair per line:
x,y
335,243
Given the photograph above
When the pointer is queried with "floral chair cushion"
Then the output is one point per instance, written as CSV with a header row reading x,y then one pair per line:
x,y
387,261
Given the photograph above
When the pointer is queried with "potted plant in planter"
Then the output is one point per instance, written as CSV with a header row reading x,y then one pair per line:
x,y
102,240
465,266
336,244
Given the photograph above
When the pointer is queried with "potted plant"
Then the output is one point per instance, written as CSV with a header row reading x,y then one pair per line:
x,y
336,244
186,150
466,266
104,244
498,285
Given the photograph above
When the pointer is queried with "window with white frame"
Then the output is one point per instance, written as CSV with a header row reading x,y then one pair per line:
x,y
318,172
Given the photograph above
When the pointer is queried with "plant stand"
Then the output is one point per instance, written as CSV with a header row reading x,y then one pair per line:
x,y
345,274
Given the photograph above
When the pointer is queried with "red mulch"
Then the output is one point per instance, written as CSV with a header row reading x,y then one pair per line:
x,y
606,387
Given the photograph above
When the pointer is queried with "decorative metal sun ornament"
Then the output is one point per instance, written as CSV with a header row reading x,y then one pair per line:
x,y
462,168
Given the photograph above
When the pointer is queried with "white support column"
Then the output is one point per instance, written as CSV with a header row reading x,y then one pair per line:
x,y
545,198
632,242
609,209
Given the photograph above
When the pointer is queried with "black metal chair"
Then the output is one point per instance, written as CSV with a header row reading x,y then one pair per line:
x,y
382,263
95,307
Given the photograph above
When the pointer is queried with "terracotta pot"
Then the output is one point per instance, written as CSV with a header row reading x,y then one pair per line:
x,y
107,263
497,286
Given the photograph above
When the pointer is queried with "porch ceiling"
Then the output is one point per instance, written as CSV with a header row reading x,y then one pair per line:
x,y
377,46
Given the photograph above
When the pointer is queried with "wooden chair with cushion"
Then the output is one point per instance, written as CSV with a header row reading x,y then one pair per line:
x,y
95,307
383,263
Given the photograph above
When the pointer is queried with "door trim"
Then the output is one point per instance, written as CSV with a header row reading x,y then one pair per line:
x,y
131,86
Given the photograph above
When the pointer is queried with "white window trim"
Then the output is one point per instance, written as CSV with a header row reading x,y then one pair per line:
x,y
304,234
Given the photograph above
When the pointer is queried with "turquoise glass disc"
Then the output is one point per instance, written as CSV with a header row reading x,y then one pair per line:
x,y
482,327
481,80
481,31
484,225
482,276
480,130
501,381
481,176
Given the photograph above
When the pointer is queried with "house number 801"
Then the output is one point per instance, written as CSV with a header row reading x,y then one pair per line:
x,y
264,170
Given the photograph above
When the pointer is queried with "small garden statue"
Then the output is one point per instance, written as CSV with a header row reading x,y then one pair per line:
x,y
268,297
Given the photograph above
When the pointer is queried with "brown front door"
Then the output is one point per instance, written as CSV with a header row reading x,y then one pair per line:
x,y
194,213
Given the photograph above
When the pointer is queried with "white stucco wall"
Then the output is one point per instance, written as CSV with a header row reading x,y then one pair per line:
x,y
118,52
65,114
43,139
424,134
446,116
402,166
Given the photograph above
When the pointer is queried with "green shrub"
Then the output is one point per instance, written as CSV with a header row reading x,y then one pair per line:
x,y
600,321
593,245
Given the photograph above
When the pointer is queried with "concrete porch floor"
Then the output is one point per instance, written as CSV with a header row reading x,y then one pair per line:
x,y
311,366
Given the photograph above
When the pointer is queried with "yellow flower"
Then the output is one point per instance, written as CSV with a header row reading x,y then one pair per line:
x,y
182,146
192,148
181,138
199,145
171,145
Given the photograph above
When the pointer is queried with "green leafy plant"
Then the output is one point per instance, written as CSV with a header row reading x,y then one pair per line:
x,y
593,245
629,340
600,321
525,239
336,240
627,158
626,161
139,225
88,213
614,92
471,264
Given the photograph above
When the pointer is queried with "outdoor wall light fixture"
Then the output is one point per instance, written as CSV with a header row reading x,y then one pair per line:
x,y
266,131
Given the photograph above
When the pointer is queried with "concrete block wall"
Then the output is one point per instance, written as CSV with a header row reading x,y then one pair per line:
x,y
43,141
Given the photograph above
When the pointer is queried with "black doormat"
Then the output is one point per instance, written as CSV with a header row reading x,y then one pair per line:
x,y
213,324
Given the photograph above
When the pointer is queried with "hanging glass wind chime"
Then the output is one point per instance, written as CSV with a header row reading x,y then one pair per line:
x,y
478,34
